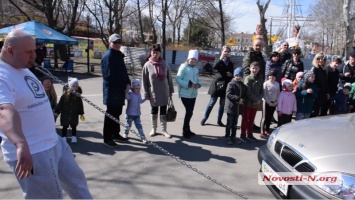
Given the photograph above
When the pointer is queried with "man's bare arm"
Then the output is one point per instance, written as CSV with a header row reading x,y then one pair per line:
x,y
10,124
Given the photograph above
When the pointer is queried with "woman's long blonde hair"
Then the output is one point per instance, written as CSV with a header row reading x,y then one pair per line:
x,y
319,55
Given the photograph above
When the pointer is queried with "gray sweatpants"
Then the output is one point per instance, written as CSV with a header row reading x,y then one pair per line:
x,y
54,170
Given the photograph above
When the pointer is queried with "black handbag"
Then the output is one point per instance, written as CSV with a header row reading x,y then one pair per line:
x,y
171,112
220,86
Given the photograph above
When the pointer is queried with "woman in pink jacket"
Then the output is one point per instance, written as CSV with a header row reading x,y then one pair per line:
x,y
287,104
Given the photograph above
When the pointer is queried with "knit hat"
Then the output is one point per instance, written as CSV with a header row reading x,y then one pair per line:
x,y
193,54
238,71
272,72
308,74
136,83
299,74
73,81
347,86
286,83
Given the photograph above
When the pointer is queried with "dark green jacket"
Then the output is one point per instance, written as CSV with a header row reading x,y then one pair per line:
x,y
70,110
250,57
255,90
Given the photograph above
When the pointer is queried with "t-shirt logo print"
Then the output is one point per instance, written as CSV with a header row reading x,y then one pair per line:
x,y
35,87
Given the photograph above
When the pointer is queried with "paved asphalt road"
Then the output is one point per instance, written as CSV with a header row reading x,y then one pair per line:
x,y
139,171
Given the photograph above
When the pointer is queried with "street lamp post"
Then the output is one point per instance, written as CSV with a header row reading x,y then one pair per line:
x,y
87,50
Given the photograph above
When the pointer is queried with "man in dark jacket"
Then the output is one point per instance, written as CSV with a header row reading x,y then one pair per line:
x,y
332,81
348,73
256,55
115,84
284,53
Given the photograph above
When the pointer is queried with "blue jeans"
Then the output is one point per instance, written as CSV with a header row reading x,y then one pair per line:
x,y
137,123
210,105
232,121
189,104
300,116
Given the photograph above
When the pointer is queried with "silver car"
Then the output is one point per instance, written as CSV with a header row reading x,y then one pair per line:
x,y
317,146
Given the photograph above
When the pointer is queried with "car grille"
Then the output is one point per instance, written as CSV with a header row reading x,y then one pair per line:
x,y
293,158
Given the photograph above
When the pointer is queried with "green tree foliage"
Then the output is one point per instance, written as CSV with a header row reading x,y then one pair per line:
x,y
199,35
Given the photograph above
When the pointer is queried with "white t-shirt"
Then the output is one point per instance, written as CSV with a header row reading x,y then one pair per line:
x,y
25,92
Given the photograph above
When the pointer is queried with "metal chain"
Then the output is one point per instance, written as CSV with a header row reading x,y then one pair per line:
x,y
46,72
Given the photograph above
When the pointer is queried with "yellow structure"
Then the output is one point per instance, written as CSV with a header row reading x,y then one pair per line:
x,y
274,38
231,42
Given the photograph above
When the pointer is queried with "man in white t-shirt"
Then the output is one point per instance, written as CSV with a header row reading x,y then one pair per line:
x,y
42,163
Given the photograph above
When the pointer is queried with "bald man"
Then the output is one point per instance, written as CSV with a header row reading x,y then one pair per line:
x,y
254,54
42,163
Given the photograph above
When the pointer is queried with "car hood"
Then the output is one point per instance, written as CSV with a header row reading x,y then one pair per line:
x,y
327,142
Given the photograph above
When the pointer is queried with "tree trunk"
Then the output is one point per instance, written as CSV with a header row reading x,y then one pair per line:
x,y
163,42
222,23
262,10
140,21
349,30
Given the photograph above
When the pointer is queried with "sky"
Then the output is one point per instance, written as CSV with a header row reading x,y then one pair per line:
x,y
246,15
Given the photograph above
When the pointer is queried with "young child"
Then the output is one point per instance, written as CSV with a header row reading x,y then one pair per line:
x,y
287,104
254,83
342,101
271,94
235,95
133,111
297,80
188,82
306,93
70,106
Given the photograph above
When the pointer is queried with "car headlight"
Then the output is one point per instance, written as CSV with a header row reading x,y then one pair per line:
x,y
272,137
343,187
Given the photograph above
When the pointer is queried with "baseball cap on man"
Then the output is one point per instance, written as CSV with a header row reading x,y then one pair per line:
x,y
352,53
114,37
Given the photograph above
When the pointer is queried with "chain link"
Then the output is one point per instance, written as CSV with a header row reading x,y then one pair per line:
x,y
46,72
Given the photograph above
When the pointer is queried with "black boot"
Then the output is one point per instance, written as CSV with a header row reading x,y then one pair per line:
x,y
220,123
191,133
185,133
119,138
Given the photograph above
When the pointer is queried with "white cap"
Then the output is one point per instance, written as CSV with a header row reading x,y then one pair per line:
x,y
73,81
114,37
193,54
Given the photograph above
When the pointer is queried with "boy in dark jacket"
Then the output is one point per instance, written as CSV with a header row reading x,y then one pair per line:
x,y
235,95
342,101
254,83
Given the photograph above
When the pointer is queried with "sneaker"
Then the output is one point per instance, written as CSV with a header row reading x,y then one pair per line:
x,y
236,141
203,121
125,135
229,141
252,138
74,139
264,135
111,143
144,140
244,139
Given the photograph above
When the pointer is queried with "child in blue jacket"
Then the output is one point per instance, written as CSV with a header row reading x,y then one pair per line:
x,y
188,83
133,111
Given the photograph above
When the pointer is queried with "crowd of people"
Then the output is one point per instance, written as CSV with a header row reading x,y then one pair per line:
x,y
279,85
